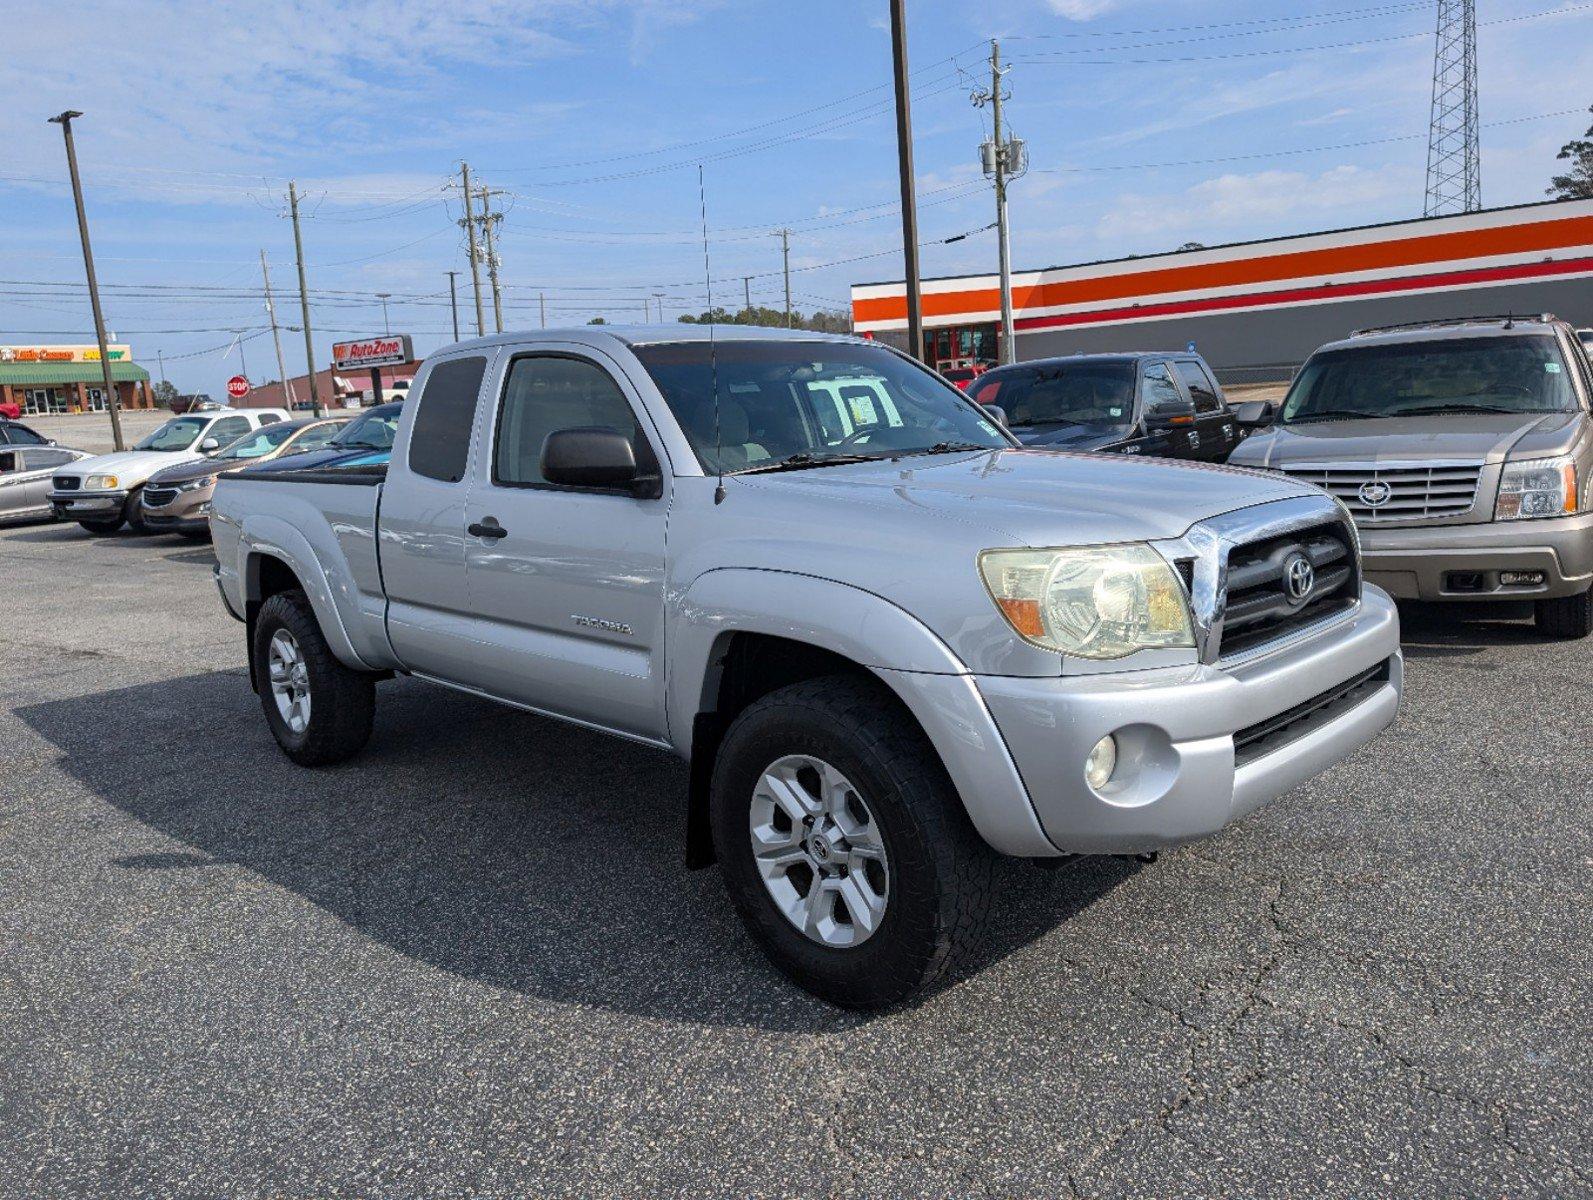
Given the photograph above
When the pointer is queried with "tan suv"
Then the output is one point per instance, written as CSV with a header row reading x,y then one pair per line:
x,y
177,500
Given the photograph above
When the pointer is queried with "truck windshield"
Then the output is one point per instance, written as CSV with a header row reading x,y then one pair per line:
x,y
808,403
177,434
1084,393
1525,374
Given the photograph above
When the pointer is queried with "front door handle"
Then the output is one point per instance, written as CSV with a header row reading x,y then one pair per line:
x,y
492,531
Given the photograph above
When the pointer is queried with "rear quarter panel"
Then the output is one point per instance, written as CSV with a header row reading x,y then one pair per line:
x,y
326,533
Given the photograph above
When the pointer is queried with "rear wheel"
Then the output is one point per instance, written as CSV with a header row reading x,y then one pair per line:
x,y
1566,617
319,711
844,844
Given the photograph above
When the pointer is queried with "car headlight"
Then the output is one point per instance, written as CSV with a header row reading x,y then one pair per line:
x,y
101,483
1092,601
1542,487
193,485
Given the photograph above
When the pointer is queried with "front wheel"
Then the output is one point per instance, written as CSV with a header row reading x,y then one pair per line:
x,y
1567,617
101,528
319,711
844,844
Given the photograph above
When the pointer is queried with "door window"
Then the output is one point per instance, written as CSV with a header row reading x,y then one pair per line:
x,y
546,394
1159,386
439,442
1201,388
228,429
21,435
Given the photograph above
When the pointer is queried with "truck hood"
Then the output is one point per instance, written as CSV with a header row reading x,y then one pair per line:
x,y
1479,437
131,467
1038,497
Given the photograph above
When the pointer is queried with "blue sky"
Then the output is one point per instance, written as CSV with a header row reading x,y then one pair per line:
x,y
1150,123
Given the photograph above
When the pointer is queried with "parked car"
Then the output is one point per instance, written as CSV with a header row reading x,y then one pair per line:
x,y
367,436
964,374
102,493
1164,404
1464,451
25,471
177,500
15,433
10,410
887,654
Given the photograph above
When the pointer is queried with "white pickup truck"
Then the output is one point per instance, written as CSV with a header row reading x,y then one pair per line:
x,y
890,641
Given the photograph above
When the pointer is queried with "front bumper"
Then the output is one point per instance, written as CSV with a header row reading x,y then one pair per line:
x,y
1178,777
86,506
1464,562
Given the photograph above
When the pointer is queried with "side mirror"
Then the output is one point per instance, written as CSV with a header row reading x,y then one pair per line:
x,y
594,457
1170,412
208,445
1254,414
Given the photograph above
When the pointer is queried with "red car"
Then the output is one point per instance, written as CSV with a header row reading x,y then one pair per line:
x,y
963,376
10,412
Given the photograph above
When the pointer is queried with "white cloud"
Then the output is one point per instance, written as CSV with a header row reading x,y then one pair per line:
x,y
1256,203
1082,10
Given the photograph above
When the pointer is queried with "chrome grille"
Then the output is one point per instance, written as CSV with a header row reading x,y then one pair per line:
x,y
67,483
1396,493
1259,607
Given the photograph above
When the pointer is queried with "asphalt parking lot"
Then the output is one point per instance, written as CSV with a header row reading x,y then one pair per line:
x,y
470,962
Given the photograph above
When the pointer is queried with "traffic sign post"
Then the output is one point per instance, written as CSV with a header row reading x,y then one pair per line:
x,y
238,387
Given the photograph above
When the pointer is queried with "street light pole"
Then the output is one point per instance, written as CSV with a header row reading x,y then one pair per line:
x,y
904,153
112,401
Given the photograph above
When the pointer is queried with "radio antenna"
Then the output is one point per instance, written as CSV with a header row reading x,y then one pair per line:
x,y
713,349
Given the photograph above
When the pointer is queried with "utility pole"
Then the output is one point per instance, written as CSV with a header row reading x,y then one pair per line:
x,y
904,154
384,297
160,357
1004,159
542,308
113,403
453,301
304,298
746,288
659,296
276,336
488,220
475,260
785,252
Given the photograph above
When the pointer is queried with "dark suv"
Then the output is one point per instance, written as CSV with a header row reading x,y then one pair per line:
x,y
1161,403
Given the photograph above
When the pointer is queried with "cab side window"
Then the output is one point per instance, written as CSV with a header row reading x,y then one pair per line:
x,y
547,393
1202,390
1159,386
439,441
228,429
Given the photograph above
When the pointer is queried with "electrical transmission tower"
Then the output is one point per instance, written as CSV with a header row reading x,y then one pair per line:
x,y
1454,183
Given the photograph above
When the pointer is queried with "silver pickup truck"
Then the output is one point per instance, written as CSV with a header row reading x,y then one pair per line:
x,y
890,642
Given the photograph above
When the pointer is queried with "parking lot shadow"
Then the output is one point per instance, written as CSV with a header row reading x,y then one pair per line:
x,y
500,847
1462,629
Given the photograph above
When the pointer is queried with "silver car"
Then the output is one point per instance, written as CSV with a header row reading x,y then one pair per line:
x,y
1463,450
27,461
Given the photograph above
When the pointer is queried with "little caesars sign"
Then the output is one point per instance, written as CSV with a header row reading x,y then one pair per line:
x,y
373,352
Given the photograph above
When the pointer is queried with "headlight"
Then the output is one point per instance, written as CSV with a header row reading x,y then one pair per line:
x,y
101,483
193,485
1543,487
1092,601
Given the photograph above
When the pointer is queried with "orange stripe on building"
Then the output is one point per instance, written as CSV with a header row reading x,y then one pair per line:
x,y
1312,264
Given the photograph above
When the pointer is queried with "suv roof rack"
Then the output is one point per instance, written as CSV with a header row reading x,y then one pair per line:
x,y
1440,322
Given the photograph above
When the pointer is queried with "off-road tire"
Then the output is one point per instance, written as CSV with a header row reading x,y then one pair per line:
x,y
940,869
342,701
1567,617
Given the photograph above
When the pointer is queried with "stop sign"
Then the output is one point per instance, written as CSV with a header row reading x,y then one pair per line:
x,y
238,387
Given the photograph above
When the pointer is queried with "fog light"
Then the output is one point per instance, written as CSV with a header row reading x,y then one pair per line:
x,y
1520,578
1102,762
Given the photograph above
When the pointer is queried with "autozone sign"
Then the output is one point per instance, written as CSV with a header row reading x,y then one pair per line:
x,y
373,352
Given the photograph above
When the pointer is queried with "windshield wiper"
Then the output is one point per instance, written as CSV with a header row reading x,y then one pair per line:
x,y
802,461
944,448
1455,408
358,445
1334,414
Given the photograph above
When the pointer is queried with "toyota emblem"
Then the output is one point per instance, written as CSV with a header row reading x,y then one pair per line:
x,y
1299,576
1375,493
